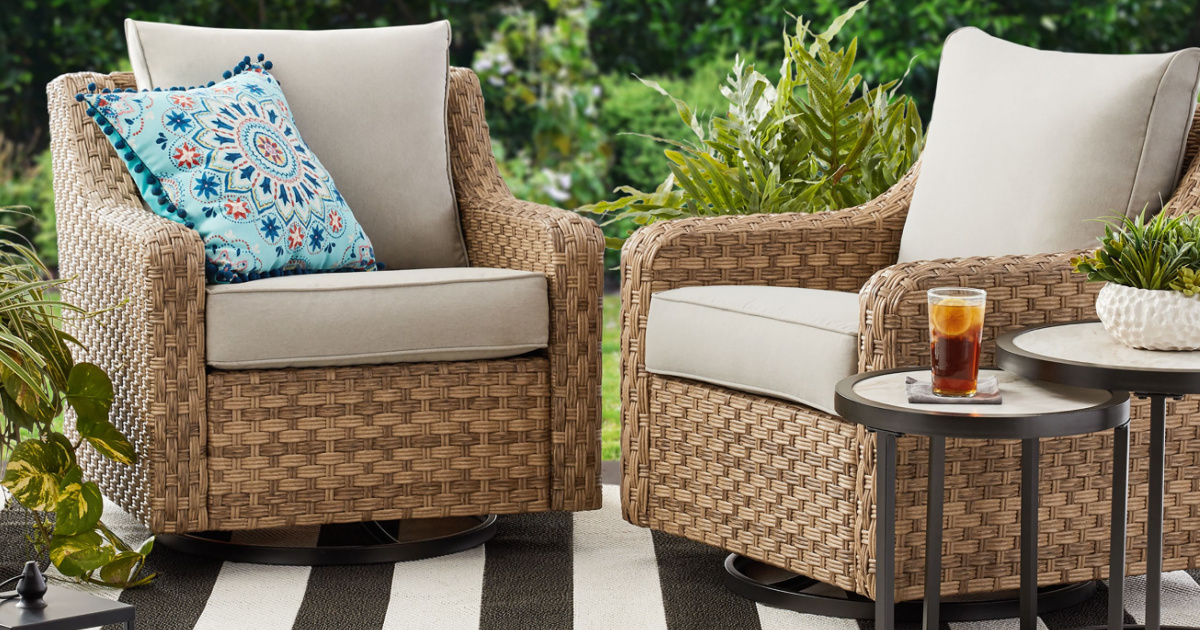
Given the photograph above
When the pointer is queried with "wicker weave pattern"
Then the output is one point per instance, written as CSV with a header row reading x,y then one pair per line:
x,y
153,346
746,478
531,424
502,231
833,250
741,472
379,442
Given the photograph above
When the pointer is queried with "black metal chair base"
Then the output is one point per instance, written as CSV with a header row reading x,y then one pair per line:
x,y
780,588
373,542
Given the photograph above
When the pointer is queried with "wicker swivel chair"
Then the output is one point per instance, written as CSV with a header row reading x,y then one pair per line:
x,y
252,449
791,486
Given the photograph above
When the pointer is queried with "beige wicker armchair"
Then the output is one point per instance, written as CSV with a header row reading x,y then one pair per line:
x,y
250,449
794,487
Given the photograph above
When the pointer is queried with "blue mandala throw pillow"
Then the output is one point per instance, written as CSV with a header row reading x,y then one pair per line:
x,y
227,160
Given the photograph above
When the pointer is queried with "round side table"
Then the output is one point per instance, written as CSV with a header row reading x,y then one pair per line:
x,y
1031,410
1083,354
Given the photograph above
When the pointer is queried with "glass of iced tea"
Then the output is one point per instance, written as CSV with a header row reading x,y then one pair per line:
x,y
955,334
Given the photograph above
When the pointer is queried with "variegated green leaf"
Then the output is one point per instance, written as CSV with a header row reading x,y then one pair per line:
x,y
122,569
80,504
89,391
79,554
35,469
106,439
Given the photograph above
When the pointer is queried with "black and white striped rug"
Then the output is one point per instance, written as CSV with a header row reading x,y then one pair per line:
x,y
589,570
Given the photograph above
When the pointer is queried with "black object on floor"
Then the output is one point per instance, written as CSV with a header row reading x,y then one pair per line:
x,y
66,610
381,542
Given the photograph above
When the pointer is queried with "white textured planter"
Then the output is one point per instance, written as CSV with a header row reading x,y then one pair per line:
x,y
1150,320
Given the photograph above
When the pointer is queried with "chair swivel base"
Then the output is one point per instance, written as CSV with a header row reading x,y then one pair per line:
x,y
372,542
780,588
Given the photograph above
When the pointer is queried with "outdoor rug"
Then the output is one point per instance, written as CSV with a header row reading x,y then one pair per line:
x,y
586,570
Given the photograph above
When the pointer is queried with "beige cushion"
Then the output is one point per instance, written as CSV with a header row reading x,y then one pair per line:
x,y
790,343
1025,146
370,102
395,316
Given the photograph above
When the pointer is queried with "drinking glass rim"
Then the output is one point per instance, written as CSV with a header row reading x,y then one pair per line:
x,y
957,292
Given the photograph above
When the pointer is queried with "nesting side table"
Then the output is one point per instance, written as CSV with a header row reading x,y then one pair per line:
x,y
1031,410
1083,354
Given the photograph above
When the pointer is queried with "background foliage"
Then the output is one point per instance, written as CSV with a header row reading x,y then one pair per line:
x,y
568,89
811,142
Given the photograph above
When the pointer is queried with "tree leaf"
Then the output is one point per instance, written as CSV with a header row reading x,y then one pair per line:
x,y
79,554
80,504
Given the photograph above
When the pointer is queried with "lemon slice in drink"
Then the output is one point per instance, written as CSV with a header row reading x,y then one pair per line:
x,y
952,317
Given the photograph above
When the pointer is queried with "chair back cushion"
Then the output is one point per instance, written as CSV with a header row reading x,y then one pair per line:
x,y
372,104
1027,147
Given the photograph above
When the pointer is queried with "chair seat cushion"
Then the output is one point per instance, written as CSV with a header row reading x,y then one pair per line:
x,y
790,343
1027,146
395,316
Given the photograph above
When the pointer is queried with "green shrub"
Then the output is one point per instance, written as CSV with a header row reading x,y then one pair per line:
x,y
804,144
630,107
539,83
32,191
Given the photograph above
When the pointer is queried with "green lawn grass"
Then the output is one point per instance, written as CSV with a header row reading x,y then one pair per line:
x,y
611,375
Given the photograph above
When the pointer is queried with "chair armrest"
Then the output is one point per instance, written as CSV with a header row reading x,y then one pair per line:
x,y
1022,291
152,347
504,232
837,250
511,234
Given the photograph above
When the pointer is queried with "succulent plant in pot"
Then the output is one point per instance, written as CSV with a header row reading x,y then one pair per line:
x,y
1152,299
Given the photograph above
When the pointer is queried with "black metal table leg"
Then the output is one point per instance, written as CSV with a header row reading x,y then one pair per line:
x,y
933,532
885,533
1116,553
1029,533
1154,528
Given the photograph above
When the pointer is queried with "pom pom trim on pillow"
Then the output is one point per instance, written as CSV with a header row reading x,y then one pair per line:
x,y
232,259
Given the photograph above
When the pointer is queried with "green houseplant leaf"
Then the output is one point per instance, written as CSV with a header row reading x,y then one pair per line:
x,y
38,376
1157,255
35,470
90,393
80,554
122,569
80,504
107,440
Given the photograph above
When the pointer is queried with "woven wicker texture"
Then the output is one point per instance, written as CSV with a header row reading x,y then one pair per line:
x,y
217,449
380,442
749,476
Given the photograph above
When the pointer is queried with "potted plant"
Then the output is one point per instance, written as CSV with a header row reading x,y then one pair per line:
x,y
39,380
1152,299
